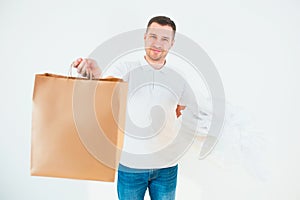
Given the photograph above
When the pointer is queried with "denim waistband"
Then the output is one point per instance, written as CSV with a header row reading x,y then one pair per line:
x,y
124,168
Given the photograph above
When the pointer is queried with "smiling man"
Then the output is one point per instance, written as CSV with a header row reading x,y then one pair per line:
x,y
159,38
156,95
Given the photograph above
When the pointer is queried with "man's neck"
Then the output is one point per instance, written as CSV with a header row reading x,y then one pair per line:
x,y
156,65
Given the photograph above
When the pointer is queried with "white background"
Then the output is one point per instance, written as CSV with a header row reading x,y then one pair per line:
x,y
254,44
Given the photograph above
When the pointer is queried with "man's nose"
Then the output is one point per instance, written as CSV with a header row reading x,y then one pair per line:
x,y
157,43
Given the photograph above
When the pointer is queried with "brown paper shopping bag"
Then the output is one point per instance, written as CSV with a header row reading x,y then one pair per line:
x,y
77,127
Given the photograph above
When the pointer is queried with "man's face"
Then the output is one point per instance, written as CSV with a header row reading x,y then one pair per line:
x,y
158,40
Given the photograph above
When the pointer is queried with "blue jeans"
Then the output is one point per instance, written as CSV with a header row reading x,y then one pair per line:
x,y
133,183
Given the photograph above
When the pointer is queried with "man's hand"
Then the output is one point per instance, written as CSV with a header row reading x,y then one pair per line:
x,y
179,108
87,67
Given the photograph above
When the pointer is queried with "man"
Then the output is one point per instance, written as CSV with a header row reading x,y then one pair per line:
x,y
146,162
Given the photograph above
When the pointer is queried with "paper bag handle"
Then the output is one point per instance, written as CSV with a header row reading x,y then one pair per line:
x,y
89,75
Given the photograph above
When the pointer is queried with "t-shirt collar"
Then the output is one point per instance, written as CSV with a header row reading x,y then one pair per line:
x,y
146,66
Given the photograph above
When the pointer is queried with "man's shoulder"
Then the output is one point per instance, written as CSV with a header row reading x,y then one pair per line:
x,y
132,64
121,68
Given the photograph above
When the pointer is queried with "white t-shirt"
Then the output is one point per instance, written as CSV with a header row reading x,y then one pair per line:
x,y
151,129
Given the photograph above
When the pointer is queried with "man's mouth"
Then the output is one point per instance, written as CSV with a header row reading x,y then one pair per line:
x,y
156,50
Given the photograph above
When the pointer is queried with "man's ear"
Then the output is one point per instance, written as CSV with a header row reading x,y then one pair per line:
x,y
172,43
145,35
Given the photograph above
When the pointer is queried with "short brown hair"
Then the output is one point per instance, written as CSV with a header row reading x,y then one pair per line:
x,y
162,20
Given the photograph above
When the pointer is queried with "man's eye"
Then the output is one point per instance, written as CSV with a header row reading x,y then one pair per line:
x,y
152,36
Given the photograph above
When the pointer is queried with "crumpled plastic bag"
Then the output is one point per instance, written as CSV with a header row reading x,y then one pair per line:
x,y
241,143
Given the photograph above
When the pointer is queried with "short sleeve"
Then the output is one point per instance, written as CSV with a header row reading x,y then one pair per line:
x,y
186,97
119,70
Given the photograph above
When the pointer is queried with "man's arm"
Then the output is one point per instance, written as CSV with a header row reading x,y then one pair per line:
x,y
196,111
